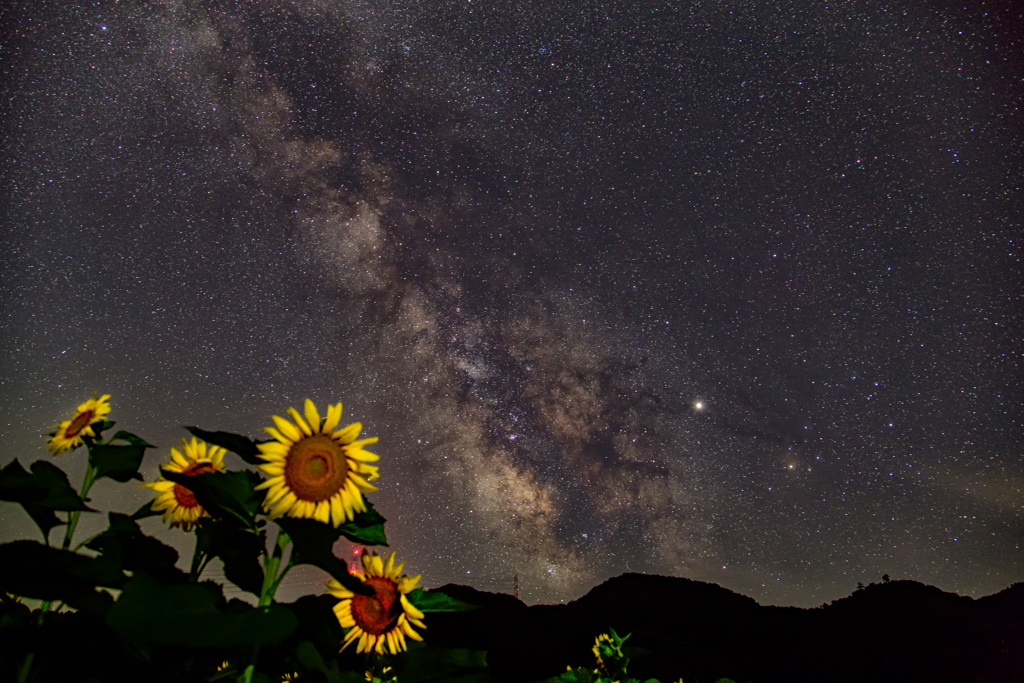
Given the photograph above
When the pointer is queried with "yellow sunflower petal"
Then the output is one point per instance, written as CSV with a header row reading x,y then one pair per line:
x,y
351,636
268,483
348,434
335,588
312,416
275,434
272,468
274,448
410,609
323,512
333,418
283,505
407,584
360,455
178,459
275,494
300,422
286,428
409,632
362,483
346,504
337,510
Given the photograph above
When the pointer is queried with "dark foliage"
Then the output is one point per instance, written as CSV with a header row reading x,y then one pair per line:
x,y
897,631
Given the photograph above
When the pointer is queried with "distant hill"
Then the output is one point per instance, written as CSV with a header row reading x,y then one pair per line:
x,y
897,631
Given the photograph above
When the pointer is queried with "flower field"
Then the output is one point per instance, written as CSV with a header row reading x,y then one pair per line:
x,y
116,606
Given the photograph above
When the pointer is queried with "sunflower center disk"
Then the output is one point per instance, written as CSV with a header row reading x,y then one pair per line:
x,y
183,495
316,468
378,613
80,422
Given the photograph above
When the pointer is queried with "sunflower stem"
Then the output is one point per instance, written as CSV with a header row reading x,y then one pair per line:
x,y
280,578
271,580
26,667
73,516
197,562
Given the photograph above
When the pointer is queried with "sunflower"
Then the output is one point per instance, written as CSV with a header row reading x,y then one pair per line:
x,y
313,472
70,432
387,616
176,501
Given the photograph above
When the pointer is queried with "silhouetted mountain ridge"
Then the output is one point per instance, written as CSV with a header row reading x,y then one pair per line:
x,y
895,631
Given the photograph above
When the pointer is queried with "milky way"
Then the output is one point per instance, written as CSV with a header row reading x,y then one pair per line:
x,y
723,292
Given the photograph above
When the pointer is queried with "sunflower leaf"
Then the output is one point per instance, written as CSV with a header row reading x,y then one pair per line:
x,y
239,549
99,427
120,463
313,543
194,615
146,511
47,486
44,518
433,663
243,446
124,543
33,570
366,528
227,495
40,493
97,603
436,601
133,439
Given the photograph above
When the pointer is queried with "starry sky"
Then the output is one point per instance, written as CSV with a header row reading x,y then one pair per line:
x,y
721,290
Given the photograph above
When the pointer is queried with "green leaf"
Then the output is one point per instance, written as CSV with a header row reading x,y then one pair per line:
x,y
124,543
40,493
422,663
194,615
577,675
47,486
131,438
97,603
120,463
436,601
146,511
230,495
366,528
33,570
239,549
98,428
243,446
309,658
313,543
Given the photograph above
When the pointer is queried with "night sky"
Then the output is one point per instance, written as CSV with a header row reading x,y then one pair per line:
x,y
720,290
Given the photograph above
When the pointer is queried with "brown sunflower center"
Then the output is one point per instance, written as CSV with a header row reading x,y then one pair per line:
x,y
316,468
183,495
81,421
378,613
